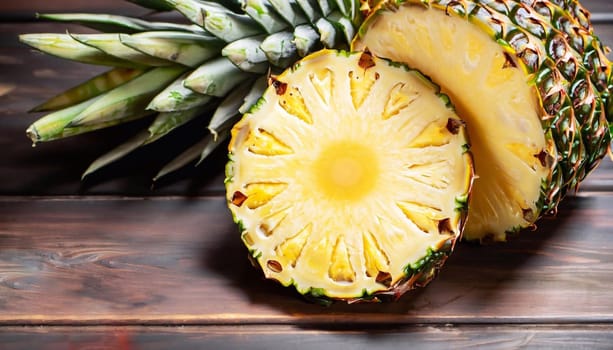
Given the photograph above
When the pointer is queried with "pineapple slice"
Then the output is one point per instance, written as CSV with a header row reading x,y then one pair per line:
x,y
536,120
350,177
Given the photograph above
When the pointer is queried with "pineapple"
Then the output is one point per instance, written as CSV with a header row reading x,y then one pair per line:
x,y
530,80
207,72
349,174
350,177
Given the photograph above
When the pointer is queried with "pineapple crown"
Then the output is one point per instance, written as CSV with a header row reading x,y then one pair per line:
x,y
212,69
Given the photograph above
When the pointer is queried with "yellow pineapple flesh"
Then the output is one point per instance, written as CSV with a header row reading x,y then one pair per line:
x,y
491,93
350,177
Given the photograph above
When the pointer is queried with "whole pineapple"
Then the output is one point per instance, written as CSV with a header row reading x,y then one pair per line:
x,y
350,177
530,79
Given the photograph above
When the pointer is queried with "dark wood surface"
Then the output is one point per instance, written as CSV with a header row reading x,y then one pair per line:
x,y
111,263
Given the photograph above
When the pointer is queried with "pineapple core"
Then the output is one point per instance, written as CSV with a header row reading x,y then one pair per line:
x,y
346,177
346,170
491,93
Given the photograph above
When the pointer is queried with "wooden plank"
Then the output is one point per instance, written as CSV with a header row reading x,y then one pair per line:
x,y
180,261
27,9
605,32
272,337
598,6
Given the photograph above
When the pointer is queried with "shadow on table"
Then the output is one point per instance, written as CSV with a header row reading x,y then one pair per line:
x,y
505,280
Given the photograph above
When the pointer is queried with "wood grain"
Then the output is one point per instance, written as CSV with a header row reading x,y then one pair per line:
x,y
110,263
425,337
27,9
598,6
180,261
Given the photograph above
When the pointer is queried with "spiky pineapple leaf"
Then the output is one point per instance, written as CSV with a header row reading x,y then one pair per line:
x,y
343,25
347,7
198,151
163,124
51,126
216,77
176,97
115,23
188,49
228,111
264,14
112,45
290,11
256,92
247,54
128,99
306,40
325,6
310,9
138,44
280,49
217,19
329,35
57,125
166,122
65,46
90,88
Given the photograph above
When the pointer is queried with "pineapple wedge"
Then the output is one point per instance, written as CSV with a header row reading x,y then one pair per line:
x,y
531,84
350,177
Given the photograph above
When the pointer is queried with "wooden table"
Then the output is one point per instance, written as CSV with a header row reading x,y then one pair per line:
x,y
112,263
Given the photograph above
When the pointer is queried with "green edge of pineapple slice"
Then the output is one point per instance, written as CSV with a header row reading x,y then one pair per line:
x,y
349,178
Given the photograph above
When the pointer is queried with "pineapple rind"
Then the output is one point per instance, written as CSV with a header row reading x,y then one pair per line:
x,y
417,274
574,163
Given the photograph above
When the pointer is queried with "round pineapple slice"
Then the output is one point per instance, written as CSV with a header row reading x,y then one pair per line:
x,y
349,179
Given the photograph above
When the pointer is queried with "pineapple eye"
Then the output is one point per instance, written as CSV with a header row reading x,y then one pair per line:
x,y
528,215
444,226
454,125
366,60
274,266
279,86
509,62
543,157
384,278
238,198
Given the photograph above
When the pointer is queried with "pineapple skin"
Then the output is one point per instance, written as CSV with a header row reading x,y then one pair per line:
x,y
554,43
414,273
